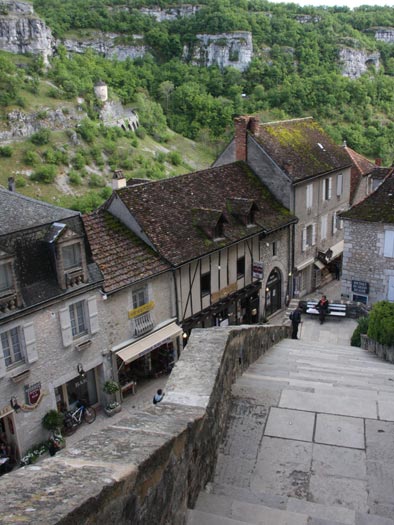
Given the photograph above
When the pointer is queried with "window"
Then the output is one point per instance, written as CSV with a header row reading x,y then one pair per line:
x,y
206,283
250,217
309,196
241,267
389,243
6,281
72,256
326,188
140,297
308,236
12,347
78,319
339,184
323,229
274,249
218,232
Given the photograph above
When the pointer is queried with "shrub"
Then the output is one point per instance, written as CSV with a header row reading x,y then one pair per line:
x,y
96,181
52,420
141,133
45,174
31,158
175,158
75,178
79,161
160,157
20,182
110,387
381,323
41,137
361,328
5,151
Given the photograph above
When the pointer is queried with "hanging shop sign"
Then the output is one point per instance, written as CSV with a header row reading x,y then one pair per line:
x,y
135,312
258,270
32,393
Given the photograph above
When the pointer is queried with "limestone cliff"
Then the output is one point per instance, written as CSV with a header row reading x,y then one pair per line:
x,y
384,34
105,44
171,13
21,31
355,62
223,50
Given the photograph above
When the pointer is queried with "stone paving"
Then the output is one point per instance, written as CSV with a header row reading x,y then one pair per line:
x,y
310,438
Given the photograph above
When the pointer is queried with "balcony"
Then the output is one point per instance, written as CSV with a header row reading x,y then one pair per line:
x,y
8,301
74,277
143,324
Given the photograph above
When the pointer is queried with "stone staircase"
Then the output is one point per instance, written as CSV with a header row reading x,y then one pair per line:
x,y
310,441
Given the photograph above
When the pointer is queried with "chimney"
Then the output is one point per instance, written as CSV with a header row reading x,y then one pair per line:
x,y
378,162
288,167
254,124
241,126
11,184
118,180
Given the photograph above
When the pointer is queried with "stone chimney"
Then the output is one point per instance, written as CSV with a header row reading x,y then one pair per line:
x,y
242,126
378,162
254,124
11,184
118,180
288,167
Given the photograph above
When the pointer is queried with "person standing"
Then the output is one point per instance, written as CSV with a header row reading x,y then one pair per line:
x,y
322,306
295,318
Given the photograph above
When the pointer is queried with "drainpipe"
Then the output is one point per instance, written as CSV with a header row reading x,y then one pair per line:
x,y
173,271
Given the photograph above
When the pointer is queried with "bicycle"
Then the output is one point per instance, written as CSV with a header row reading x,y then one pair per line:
x,y
72,419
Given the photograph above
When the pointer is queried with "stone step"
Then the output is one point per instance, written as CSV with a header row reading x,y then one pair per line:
x,y
198,517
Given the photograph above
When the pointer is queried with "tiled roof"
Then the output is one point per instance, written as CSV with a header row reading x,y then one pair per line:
x,y
18,212
301,148
377,207
363,165
166,209
121,256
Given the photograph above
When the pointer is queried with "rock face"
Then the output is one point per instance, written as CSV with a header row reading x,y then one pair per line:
x,y
22,32
105,44
171,13
355,62
385,34
223,50
21,125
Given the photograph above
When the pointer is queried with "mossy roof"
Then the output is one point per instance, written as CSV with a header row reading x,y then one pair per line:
x,y
166,210
377,207
301,148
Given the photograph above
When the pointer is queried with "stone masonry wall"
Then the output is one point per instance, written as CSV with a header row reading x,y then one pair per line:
x,y
147,468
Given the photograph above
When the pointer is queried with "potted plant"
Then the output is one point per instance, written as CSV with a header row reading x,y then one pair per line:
x,y
112,406
53,421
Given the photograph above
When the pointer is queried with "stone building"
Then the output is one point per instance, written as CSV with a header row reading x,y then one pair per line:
x,y
368,259
308,174
140,311
225,238
51,342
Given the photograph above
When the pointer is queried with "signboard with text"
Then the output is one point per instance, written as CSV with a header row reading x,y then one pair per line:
x,y
360,287
258,270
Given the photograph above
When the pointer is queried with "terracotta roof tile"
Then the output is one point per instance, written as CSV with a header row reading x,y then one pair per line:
x,y
121,256
166,209
301,148
363,165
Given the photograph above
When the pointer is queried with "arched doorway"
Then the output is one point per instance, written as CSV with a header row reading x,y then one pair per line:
x,y
273,292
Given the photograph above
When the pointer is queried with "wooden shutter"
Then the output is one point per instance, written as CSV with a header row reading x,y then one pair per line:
x,y
65,326
313,234
303,240
323,190
339,184
329,187
2,362
93,315
334,222
30,343
389,243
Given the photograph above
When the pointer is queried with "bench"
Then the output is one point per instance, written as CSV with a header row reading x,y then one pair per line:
x,y
334,309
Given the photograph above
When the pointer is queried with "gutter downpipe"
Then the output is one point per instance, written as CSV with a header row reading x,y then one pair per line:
x,y
173,271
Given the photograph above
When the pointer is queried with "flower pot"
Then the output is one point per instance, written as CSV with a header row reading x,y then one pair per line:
x,y
112,411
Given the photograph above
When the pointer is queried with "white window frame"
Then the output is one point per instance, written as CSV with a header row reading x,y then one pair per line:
x,y
326,188
26,342
323,227
6,277
140,297
304,241
91,320
78,319
309,196
388,250
77,257
334,223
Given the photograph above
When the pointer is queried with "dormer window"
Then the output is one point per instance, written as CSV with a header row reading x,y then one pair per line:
x,y
250,217
244,210
210,222
72,257
219,230
6,278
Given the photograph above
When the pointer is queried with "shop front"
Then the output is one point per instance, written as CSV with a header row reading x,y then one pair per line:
x,y
273,292
83,387
9,449
147,357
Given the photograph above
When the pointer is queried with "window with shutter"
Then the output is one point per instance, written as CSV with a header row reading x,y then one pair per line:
x,y
313,234
6,280
309,196
30,343
93,315
388,243
303,240
11,345
323,231
65,325
334,222
339,184
329,188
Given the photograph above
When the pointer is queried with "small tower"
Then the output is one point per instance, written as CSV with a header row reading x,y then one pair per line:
x,y
101,91
118,180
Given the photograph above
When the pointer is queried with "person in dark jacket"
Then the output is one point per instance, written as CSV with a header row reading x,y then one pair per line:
x,y
158,396
322,306
295,318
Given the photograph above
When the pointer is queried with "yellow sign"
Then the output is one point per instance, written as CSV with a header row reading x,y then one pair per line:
x,y
224,292
147,307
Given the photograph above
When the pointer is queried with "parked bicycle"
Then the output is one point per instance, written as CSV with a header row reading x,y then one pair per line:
x,y
74,418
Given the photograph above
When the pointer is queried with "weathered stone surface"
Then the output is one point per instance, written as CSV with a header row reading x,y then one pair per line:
x,y
340,430
355,61
105,44
291,424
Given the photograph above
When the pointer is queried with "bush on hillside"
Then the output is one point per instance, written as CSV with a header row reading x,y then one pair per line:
x,y
381,323
361,328
5,151
45,174
41,137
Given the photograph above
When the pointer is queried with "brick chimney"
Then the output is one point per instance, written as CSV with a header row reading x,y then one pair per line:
x,y
254,124
118,180
242,126
378,162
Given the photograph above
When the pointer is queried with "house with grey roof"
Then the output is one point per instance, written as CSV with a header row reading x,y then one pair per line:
x,y
310,175
368,259
222,234
51,342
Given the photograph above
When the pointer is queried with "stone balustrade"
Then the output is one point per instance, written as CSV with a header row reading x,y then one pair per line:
x,y
147,468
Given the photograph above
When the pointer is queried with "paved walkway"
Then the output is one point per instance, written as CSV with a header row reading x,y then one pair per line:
x,y
310,437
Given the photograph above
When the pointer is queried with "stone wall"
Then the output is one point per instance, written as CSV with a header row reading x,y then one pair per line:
x,y
383,351
149,467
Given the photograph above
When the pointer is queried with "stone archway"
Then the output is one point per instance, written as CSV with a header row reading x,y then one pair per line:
x,y
273,292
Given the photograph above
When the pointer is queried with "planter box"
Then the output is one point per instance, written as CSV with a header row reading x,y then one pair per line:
x,y
382,351
112,411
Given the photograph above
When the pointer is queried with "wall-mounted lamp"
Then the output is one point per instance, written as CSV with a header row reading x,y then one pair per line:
x,y
290,274
14,404
267,289
184,335
81,371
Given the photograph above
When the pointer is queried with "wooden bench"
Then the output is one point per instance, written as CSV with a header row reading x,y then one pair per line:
x,y
334,309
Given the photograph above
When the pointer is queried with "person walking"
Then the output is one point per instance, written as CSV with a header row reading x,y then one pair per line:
x,y
295,318
158,396
322,306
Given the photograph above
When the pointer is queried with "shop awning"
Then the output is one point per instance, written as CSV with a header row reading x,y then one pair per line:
x,y
319,264
145,345
305,264
337,249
